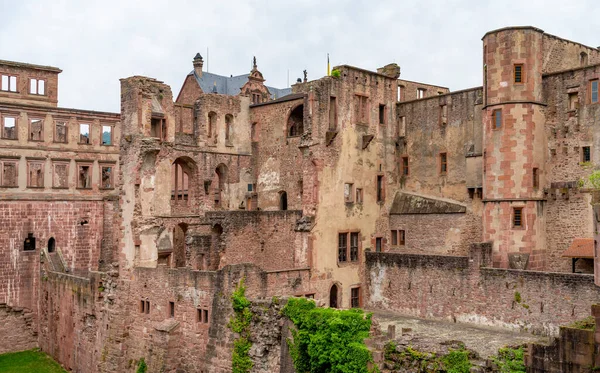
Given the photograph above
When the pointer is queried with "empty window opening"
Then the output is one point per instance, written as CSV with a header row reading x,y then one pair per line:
x,y
198,315
107,135
106,180
228,127
355,297
84,133
519,73
179,250
379,188
147,306
443,163
295,123
378,244
394,238
359,196
35,177
9,83
401,237
180,177
497,119
29,243
60,177
158,128
8,177
573,101
333,296
400,92
171,309
586,155
37,87
405,169
283,202
60,132
536,177
583,59
9,128
443,115
421,92
594,91
361,108
397,237
84,176
348,193
142,306
51,245
354,246
36,130
221,172
205,316
517,217
332,113
212,124
342,247
381,114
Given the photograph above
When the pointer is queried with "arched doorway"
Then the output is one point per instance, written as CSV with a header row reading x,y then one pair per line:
x,y
295,123
333,296
283,201
51,245
179,245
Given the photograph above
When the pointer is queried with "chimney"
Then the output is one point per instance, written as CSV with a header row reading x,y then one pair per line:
x,y
198,63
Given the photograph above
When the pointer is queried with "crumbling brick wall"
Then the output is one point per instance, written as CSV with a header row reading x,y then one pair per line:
x,y
17,331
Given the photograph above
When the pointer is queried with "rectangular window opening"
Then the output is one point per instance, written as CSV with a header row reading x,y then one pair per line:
x,y
9,83
361,109
405,169
36,130
380,188
394,235
60,132
342,247
401,237
37,87
586,155
594,91
84,133
354,246
9,128
519,74
443,163
443,115
9,175
573,101
142,306
359,195
147,306
497,118
348,192
171,309
421,92
60,177
517,217
402,126
355,297
332,113
378,244
205,314
381,114
84,176
106,181
107,135
536,177
158,128
35,178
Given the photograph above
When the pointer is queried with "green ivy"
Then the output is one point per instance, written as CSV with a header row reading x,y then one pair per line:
x,y
510,360
240,324
142,367
457,361
327,340
335,73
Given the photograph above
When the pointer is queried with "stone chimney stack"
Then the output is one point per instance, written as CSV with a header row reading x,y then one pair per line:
x,y
198,63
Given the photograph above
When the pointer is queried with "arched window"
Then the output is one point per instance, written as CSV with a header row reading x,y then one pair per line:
x,y
583,59
295,122
228,127
182,174
212,123
51,245
283,200
333,296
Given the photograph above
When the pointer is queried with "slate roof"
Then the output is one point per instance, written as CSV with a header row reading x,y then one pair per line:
x,y
580,248
405,203
231,85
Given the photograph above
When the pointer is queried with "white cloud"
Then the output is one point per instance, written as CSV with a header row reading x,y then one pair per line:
x,y
98,42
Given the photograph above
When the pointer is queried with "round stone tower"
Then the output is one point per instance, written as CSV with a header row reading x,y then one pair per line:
x,y
514,147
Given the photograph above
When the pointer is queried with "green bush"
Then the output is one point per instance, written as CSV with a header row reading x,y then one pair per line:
x,y
327,340
457,361
240,323
511,360
335,73
142,367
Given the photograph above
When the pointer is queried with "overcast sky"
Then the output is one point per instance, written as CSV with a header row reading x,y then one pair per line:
x,y
98,42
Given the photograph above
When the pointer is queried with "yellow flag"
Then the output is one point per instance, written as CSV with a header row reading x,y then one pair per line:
x,y
328,72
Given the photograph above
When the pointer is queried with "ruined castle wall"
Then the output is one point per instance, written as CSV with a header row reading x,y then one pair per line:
x,y
408,90
570,123
16,329
452,288
561,54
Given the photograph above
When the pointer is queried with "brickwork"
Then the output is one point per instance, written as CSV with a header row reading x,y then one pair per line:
x,y
17,332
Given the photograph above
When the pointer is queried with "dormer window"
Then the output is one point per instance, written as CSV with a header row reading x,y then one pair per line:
x,y
9,83
37,87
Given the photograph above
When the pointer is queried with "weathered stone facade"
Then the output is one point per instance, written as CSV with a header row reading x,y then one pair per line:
x,y
124,233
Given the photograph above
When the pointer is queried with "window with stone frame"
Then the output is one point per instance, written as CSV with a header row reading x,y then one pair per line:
x,y
380,189
359,196
573,101
343,247
228,129
397,237
36,129
354,246
378,244
107,135
518,217
9,173
519,73
443,163
497,119
348,192
382,114
443,114
35,174
401,126
404,166
84,133
60,131
9,127
60,174
106,176
536,177
8,83
361,109
594,91
84,175
355,301
158,127
421,92
586,154
37,87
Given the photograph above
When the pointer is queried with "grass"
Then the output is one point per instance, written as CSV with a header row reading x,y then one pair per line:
x,y
29,361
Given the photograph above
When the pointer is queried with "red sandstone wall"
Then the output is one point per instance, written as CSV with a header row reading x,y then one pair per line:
x,y
16,329
453,288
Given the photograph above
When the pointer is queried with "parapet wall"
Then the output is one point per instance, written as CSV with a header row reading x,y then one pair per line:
x,y
458,289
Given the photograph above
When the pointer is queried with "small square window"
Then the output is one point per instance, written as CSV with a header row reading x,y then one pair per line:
x,y
84,133
518,217
9,127
107,135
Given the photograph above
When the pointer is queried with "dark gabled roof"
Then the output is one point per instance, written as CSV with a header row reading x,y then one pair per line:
x,y
580,248
231,85
405,203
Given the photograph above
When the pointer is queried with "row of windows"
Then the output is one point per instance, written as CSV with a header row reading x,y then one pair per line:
x,y
201,314
60,131
9,174
36,86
